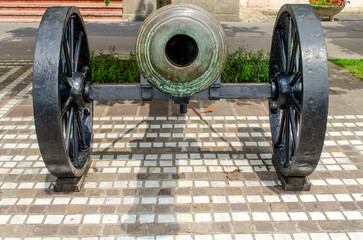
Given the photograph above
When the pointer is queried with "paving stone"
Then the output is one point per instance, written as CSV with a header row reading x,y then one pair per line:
x,y
173,178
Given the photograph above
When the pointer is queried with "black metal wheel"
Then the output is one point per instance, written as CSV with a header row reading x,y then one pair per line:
x,y
61,75
299,80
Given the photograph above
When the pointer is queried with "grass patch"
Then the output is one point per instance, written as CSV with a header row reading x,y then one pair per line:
x,y
241,66
354,66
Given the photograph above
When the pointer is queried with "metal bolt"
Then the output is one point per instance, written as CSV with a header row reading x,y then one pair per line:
x,y
86,111
273,110
86,70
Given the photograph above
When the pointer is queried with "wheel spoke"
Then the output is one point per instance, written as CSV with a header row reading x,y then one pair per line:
x,y
281,129
65,80
63,62
67,59
296,79
64,123
69,129
296,104
293,127
293,29
287,139
65,107
293,57
78,51
80,130
298,60
288,41
71,40
75,144
282,51
297,54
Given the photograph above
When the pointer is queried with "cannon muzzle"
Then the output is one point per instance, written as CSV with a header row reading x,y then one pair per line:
x,y
181,50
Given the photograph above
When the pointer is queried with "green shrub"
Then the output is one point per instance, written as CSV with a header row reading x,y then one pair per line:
x,y
246,66
241,66
111,68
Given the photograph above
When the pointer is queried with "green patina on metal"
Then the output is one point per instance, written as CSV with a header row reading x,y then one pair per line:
x,y
181,50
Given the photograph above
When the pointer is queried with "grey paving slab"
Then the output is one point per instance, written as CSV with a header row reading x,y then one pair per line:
x,y
158,175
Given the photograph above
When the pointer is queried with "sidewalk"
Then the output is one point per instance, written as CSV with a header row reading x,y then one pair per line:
x,y
157,175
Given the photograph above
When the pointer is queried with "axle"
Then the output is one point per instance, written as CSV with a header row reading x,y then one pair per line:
x,y
216,92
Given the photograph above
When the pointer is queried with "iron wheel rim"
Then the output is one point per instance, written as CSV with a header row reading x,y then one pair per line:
x,y
62,115
299,76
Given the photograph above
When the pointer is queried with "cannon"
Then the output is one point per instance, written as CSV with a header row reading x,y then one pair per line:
x,y
181,52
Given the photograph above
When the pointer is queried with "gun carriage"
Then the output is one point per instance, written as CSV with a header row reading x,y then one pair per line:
x,y
181,51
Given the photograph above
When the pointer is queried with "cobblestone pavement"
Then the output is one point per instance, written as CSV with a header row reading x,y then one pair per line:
x,y
157,175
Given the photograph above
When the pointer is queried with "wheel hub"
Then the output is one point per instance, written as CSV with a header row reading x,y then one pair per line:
x,y
78,93
282,90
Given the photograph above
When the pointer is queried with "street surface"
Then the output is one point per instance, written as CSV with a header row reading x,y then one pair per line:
x,y
343,37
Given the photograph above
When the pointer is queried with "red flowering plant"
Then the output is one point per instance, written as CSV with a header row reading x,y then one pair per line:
x,y
329,2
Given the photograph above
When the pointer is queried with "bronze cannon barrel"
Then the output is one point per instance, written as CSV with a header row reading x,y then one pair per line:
x,y
181,50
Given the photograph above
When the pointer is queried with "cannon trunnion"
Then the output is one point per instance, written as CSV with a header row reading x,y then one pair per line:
x,y
181,52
